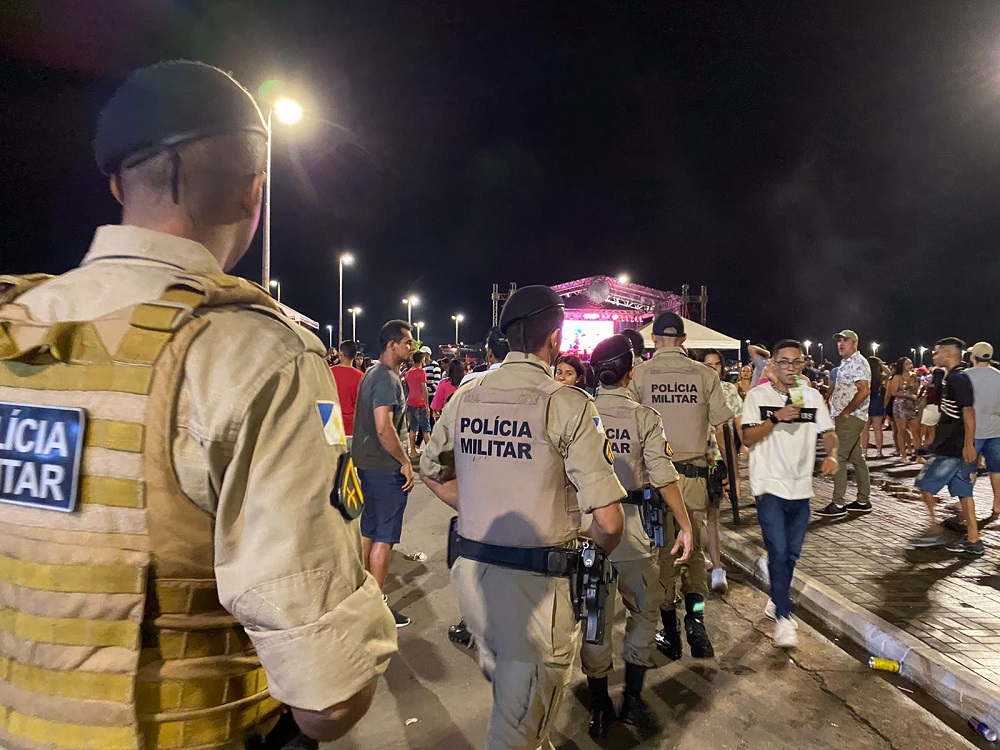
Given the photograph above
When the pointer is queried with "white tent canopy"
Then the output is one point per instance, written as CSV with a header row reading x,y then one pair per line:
x,y
698,337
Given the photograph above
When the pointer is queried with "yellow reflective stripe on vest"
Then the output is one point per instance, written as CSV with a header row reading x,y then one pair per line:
x,y
170,645
224,726
83,579
114,435
68,632
197,693
118,378
187,598
76,736
75,683
142,347
118,493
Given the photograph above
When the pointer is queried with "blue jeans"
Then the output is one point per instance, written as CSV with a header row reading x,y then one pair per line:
x,y
783,523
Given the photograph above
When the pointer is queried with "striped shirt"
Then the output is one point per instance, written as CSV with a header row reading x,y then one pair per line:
x,y
433,371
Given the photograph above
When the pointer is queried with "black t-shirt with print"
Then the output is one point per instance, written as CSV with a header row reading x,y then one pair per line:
x,y
956,394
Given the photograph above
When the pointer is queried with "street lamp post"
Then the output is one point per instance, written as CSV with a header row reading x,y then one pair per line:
x,y
922,350
875,349
275,284
807,344
410,302
329,333
354,311
458,319
420,327
288,112
346,259
822,358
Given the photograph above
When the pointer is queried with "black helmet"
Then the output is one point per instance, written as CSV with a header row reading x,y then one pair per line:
x,y
528,301
164,105
612,359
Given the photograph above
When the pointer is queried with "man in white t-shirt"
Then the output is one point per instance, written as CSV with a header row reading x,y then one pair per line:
x,y
781,421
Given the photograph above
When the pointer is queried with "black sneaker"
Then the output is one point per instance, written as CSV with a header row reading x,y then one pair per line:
x,y
697,638
460,634
401,620
832,511
857,508
969,548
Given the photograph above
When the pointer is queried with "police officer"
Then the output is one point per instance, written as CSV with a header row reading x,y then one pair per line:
x,y
642,462
689,399
198,575
527,455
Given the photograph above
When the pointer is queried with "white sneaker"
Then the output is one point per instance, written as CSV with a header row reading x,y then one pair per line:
x,y
719,582
770,611
786,633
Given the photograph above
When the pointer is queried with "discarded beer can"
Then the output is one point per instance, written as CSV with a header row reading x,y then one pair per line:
x,y
983,728
883,665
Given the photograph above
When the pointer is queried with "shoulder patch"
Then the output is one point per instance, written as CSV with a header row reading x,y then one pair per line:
x,y
609,453
599,424
333,422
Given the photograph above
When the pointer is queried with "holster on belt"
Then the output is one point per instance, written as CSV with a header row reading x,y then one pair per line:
x,y
588,569
653,512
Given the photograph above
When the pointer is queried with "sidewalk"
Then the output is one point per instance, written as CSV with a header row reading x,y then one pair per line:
x,y
936,612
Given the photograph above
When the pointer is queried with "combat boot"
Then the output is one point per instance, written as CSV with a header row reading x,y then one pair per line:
x,y
694,627
602,710
460,634
634,711
668,640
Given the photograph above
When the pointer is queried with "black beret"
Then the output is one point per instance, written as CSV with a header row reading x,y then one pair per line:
x,y
611,349
528,301
668,324
167,104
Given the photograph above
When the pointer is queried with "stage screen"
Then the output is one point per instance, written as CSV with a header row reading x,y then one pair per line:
x,y
581,336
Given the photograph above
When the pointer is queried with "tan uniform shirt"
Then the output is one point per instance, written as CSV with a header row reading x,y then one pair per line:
x,y
249,448
687,410
572,426
657,464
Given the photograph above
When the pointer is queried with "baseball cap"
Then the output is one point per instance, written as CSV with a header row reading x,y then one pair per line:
x,y
847,333
982,350
426,350
668,324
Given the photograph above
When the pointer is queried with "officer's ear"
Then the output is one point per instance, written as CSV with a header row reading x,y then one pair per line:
x,y
253,195
115,183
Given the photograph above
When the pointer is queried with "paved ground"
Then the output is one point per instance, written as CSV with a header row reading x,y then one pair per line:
x,y
950,602
751,697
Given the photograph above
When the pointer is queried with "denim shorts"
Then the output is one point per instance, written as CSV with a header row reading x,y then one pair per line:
x,y
990,449
946,471
419,420
385,501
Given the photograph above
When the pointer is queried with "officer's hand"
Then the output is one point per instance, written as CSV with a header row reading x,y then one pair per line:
x,y
787,413
407,471
682,545
829,467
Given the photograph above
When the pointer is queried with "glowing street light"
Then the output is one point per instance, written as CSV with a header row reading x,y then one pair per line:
x,y
329,332
346,259
922,350
458,319
623,278
275,284
288,112
875,349
355,312
419,327
410,302
822,358
807,344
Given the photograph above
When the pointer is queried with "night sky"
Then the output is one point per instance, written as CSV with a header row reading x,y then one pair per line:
x,y
818,165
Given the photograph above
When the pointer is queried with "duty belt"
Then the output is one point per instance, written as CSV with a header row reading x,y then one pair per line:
x,y
692,471
549,561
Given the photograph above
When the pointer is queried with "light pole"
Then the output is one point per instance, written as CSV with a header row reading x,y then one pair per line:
x,y
875,349
922,350
354,311
807,344
346,259
420,327
329,333
288,112
458,319
747,342
275,284
410,302
822,358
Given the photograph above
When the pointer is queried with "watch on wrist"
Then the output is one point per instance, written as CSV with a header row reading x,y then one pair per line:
x,y
773,419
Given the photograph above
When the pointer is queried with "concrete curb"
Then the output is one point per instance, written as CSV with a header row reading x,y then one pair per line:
x,y
953,685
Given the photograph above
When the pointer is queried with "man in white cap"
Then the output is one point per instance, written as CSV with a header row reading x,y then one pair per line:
x,y
986,388
849,409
